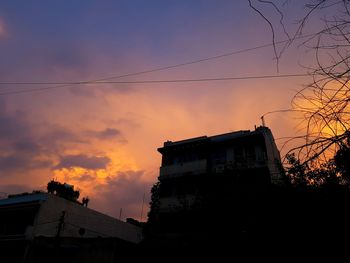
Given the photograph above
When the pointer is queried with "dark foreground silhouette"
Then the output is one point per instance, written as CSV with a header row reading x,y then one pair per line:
x,y
286,220
254,222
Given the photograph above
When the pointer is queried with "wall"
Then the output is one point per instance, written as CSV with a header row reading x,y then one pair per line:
x,y
77,217
273,156
195,167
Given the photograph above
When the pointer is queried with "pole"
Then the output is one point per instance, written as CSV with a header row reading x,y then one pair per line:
x,y
60,224
143,202
58,235
120,213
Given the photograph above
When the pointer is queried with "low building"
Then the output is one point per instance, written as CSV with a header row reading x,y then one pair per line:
x,y
26,220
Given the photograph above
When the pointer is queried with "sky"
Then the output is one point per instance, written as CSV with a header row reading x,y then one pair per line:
x,y
103,137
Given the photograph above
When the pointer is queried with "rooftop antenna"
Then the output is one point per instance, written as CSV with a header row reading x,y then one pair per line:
x,y
276,111
120,213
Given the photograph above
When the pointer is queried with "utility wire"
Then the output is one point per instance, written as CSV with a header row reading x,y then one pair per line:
x,y
66,84
48,222
161,68
170,66
155,81
150,70
88,229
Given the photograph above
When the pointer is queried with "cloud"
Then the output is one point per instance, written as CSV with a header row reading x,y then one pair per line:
x,y
83,161
21,162
12,126
21,148
108,134
26,145
124,191
85,178
55,138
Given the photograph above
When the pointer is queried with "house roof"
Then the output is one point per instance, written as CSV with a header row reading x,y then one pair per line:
x,y
29,198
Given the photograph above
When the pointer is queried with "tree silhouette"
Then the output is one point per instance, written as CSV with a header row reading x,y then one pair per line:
x,y
63,190
342,160
154,204
305,175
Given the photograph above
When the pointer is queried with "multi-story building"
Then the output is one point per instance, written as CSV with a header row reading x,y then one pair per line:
x,y
218,165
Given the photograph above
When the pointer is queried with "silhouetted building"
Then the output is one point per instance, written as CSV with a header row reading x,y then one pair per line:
x,y
191,168
227,194
34,226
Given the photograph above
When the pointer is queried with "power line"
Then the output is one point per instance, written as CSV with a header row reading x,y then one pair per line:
x,y
48,222
170,66
154,81
198,60
273,44
150,70
88,229
66,84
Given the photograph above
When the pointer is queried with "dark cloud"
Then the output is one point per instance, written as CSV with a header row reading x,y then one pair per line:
x,y
13,126
9,127
22,147
108,134
124,190
13,162
21,162
83,161
26,145
55,140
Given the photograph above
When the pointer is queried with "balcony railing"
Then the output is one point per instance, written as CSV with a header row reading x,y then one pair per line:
x,y
195,167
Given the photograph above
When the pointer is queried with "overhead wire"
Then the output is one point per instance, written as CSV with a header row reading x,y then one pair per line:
x,y
158,81
65,84
139,72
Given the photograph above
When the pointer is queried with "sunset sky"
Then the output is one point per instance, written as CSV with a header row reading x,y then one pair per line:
x,y
103,138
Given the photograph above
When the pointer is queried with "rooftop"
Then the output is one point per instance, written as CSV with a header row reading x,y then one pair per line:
x,y
214,138
29,198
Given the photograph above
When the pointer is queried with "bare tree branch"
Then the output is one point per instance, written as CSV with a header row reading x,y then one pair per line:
x,y
324,103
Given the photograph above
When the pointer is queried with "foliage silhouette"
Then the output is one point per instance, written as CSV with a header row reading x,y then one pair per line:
x,y
63,190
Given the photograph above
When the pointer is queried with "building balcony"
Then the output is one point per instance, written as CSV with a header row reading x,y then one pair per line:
x,y
188,168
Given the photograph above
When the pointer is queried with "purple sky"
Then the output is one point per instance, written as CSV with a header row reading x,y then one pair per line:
x,y
102,138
